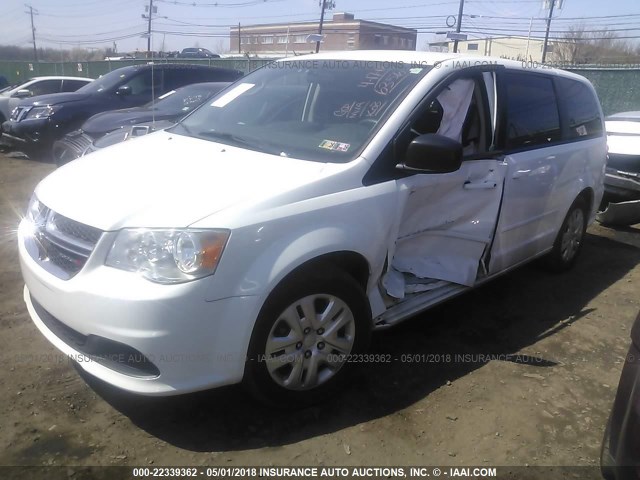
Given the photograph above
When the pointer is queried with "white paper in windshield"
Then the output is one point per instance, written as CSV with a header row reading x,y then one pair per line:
x,y
231,95
166,94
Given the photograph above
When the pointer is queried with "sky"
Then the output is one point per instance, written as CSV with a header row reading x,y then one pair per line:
x,y
205,23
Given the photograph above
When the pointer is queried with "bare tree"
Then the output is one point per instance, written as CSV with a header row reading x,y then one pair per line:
x,y
582,46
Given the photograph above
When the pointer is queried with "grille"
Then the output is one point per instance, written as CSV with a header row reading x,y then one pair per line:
x,y
77,230
65,243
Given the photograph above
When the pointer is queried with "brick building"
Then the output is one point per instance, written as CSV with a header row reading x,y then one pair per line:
x,y
342,32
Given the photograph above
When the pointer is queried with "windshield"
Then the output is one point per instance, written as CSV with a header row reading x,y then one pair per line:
x,y
184,99
106,82
321,110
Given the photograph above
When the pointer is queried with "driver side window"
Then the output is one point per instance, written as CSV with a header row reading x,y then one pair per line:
x,y
460,112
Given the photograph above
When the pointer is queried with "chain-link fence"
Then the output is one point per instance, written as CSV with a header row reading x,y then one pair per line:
x,y
617,87
16,72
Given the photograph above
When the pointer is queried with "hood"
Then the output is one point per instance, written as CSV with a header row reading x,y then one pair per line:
x,y
167,180
56,98
106,122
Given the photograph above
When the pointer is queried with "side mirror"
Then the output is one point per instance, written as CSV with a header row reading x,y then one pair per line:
x,y
22,94
123,90
432,153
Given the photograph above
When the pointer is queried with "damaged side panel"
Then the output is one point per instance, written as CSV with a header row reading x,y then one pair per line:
x,y
446,225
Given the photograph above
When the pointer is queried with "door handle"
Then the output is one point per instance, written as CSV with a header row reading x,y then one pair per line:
x,y
479,185
520,173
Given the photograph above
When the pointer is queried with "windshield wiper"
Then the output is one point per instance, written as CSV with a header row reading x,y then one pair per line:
x,y
238,141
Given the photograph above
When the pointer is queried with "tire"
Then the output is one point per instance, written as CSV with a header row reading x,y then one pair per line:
x,y
312,362
570,238
62,154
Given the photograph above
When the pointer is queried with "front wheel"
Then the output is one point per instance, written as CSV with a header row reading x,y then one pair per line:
x,y
305,337
568,243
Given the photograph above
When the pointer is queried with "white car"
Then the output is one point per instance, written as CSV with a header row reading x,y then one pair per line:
x,y
10,98
621,201
262,238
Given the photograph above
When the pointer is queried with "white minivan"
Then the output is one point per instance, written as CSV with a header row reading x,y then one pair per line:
x,y
264,237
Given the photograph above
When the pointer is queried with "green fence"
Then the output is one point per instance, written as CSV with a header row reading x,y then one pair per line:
x,y
17,71
618,88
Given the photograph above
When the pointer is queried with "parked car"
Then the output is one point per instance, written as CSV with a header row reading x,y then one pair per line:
x,y
621,202
131,122
620,454
36,124
197,53
263,238
33,87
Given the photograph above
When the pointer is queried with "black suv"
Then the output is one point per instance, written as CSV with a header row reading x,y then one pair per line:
x,y
37,122
197,53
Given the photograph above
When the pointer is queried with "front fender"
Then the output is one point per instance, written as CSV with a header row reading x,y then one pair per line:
x,y
260,255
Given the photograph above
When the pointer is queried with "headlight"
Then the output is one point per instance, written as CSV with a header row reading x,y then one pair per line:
x,y
42,112
168,256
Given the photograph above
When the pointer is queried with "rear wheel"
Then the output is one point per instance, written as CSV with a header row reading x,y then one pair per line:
x,y
304,336
568,243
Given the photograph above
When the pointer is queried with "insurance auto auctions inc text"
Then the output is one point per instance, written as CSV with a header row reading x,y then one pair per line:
x,y
376,472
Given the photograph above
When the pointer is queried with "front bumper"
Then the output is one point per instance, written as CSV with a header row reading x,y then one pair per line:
x,y
192,343
621,201
32,132
621,186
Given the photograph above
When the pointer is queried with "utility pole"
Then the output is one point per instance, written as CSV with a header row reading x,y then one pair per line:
x,y
33,32
149,29
326,4
526,55
458,25
546,35
239,39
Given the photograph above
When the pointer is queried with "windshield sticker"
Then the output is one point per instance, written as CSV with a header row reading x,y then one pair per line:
x,y
232,95
334,146
415,71
357,110
383,82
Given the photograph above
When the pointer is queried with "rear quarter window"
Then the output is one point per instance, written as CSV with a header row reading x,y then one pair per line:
x,y
533,117
72,85
45,87
581,109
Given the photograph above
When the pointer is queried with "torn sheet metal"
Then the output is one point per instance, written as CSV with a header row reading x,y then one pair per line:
x,y
398,284
447,223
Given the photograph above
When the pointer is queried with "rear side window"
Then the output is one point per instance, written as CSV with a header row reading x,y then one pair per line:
x,y
72,85
45,87
581,109
532,110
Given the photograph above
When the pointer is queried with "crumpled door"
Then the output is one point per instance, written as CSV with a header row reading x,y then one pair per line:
x,y
446,225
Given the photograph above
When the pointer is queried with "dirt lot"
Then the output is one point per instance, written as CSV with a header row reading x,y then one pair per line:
x,y
523,371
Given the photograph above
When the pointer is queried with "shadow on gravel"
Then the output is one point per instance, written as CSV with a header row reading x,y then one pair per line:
x,y
502,317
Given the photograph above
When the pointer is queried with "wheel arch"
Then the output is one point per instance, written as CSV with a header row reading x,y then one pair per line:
x,y
587,194
352,263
